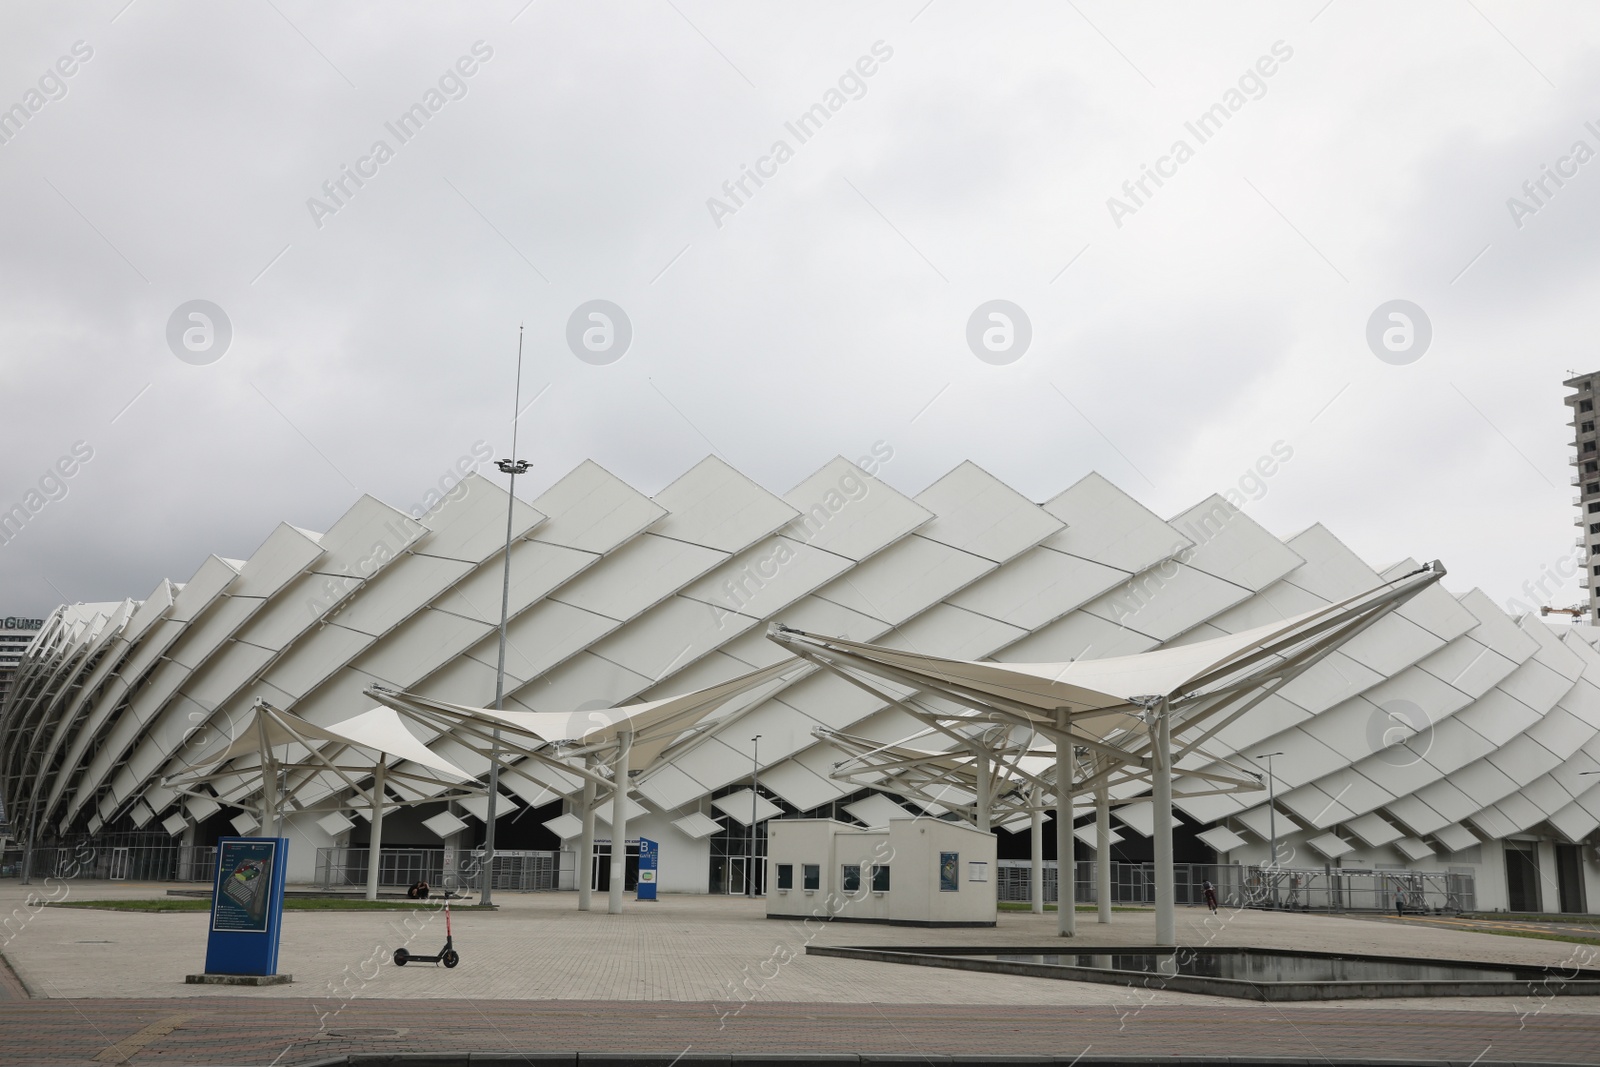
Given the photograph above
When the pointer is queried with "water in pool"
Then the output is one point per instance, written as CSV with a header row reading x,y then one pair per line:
x,y
1249,967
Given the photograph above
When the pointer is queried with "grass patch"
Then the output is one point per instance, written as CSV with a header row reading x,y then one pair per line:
x,y
1012,905
166,904
1574,918
1537,936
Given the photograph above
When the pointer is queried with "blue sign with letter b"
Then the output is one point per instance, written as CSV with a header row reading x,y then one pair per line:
x,y
649,854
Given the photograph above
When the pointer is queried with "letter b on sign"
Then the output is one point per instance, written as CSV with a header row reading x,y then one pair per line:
x,y
999,332
599,332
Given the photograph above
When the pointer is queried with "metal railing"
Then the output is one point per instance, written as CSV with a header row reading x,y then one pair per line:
x,y
1240,885
135,863
346,868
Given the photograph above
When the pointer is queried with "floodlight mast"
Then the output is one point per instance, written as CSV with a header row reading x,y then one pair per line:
x,y
755,797
1272,820
512,467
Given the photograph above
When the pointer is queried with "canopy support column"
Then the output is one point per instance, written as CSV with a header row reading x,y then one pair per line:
x,y
376,840
585,871
1161,773
269,796
1066,903
985,789
1036,865
619,822
1102,854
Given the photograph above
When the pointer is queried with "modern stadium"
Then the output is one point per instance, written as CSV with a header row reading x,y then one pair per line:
x,y
1444,739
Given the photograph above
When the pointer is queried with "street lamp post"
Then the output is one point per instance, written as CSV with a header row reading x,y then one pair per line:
x,y
513,467
27,856
755,797
1272,820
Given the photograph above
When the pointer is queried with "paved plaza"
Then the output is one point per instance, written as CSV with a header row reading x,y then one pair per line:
x,y
714,973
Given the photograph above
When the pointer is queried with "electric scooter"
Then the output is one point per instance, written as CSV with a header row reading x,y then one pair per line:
x,y
447,955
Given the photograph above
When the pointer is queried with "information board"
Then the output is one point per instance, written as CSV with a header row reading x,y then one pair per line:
x,y
246,905
649,854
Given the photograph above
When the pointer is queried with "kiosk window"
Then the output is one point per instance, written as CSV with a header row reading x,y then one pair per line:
x,y
813,875
850,878
785,876
880,878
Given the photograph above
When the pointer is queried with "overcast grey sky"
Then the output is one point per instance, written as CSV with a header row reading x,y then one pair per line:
x,y
1357,153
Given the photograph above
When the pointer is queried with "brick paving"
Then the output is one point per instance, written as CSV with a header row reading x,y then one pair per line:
x,y
285,1032
713,974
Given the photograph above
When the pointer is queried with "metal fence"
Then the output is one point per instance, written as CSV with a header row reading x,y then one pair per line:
x,y
1239,885
344,868
134,863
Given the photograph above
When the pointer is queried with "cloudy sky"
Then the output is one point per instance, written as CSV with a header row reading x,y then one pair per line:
x,y
559,153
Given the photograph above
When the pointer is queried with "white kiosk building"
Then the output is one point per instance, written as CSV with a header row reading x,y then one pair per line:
x,y
913,872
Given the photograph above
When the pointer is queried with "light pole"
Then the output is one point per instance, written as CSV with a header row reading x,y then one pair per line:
x,y
1272,819
512,467
27,856
755,797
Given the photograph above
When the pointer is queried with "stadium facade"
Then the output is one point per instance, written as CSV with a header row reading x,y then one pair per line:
x,y
1447,736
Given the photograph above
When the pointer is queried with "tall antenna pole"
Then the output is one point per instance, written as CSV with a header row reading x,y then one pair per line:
x,y
755,796
513,467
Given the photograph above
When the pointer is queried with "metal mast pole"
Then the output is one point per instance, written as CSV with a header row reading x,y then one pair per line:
x,y
513,467
1272,826
1272,821
755,796
27,857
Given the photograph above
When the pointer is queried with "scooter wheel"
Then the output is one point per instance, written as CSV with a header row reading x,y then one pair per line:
x,y
451,958
400,957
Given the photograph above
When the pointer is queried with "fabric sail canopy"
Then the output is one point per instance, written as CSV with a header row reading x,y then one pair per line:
x,y
378,733
655,725
1088,685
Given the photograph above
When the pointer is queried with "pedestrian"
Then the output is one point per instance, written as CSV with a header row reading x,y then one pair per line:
x,y
1400,905
1211,897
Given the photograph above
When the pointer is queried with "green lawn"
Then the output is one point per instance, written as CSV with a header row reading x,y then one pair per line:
x,y
1572,918
289,904
1538,936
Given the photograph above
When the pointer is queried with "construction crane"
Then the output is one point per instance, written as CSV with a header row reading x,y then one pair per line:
x,y
1576,611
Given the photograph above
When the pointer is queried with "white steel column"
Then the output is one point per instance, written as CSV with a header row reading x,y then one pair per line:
x,y
1066,904
619,822
1161,773
375,839
585,872
1102,853
1036,866
985,789
269,795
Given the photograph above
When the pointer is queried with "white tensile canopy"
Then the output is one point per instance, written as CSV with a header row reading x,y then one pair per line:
x,y
1128,716
627,740
316,759
994,775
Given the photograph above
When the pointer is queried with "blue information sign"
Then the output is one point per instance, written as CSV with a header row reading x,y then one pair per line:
x,y
247,905
649,853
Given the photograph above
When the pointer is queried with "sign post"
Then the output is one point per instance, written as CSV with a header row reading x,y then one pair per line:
x,y
246,912
649,854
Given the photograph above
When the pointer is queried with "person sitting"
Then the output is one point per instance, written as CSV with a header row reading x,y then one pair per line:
x,y
418,891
